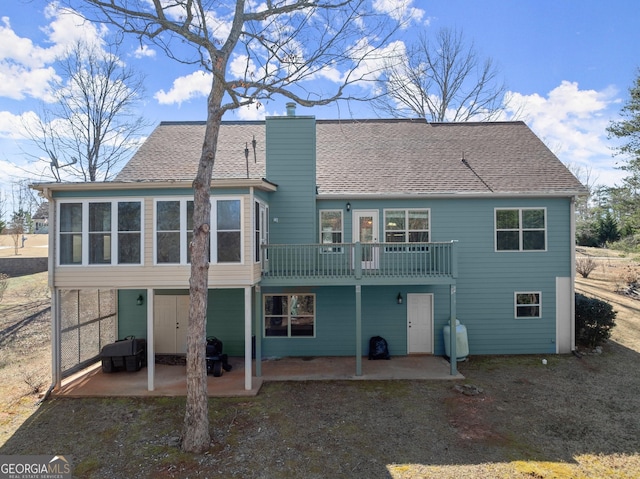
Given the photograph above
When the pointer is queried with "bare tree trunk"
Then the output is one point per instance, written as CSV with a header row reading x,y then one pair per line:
x,y
195,436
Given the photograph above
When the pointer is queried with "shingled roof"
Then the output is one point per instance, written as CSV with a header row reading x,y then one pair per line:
x,y
362,157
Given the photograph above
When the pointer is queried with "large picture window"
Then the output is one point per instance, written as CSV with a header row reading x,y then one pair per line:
x,y
289,315
521,229
100,232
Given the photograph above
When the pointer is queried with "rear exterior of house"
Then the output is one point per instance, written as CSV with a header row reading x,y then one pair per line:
x,y
324,234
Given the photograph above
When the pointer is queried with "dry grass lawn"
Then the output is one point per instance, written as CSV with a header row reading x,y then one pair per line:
x,y
572,418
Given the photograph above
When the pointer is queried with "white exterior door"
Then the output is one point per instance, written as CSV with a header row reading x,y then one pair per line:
x,y
365,230
420,323
170,324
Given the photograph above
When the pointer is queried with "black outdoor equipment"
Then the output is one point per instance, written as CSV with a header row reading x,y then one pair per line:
x,y
216,361
378,348
129,354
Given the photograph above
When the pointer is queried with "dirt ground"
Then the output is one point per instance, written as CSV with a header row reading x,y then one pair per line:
x,y
575,417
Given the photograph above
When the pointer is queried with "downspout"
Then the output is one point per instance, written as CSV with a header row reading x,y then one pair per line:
x,y
56,374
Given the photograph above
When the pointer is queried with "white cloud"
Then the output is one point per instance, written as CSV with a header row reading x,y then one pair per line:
x,y
194,85
144,51
26,68
401,11
573,122
13,126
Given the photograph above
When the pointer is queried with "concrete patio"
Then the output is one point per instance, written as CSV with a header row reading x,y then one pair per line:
x,y
170,380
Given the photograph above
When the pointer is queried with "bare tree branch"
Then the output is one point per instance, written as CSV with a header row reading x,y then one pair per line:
x,y
278,46
91,127
441,80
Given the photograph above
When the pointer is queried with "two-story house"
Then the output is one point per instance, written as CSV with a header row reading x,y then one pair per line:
x,y
323,234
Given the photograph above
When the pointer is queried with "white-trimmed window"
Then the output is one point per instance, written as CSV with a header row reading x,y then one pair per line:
x,y
331,230
528,305
100,232
174,230
289,315
406,226
227,238
520,229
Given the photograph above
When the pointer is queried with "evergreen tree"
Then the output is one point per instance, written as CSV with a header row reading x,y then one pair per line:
x,y
627,129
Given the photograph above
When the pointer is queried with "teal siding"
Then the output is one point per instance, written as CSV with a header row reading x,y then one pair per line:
x,y
291,164
132,318
225,319
336,321
487,279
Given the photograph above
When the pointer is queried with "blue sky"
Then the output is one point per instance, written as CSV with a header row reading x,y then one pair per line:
x,y
567,64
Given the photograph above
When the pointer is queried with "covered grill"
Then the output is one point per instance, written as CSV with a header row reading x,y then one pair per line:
x,y
129,354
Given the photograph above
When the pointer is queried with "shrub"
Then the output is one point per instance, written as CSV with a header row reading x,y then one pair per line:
x,y
594,321
584,266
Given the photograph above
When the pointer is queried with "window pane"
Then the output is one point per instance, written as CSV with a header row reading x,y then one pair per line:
x,y
168,248
99,216
533,219
275,305
189,216
533,240
99,248
508,240
70,217
229,247
276,326
419,237
302,326
394,237
394,220
528,311
70,249
301,304
129,248
129,216
168,216
228,214
528,298
507,219
331,220
418,220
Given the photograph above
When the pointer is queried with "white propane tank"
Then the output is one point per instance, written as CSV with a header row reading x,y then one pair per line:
x,y
462,344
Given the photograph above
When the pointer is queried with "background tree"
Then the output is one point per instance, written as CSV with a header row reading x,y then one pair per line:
x,y
274,46
441,79
90,127
626,198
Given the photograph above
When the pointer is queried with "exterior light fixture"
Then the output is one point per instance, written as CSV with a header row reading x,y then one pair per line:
x,y
140,300
399,298
348,206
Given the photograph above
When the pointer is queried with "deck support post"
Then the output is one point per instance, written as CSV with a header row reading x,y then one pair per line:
x,y
453,333
358,330
56,343
247,338
151,354
258,330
